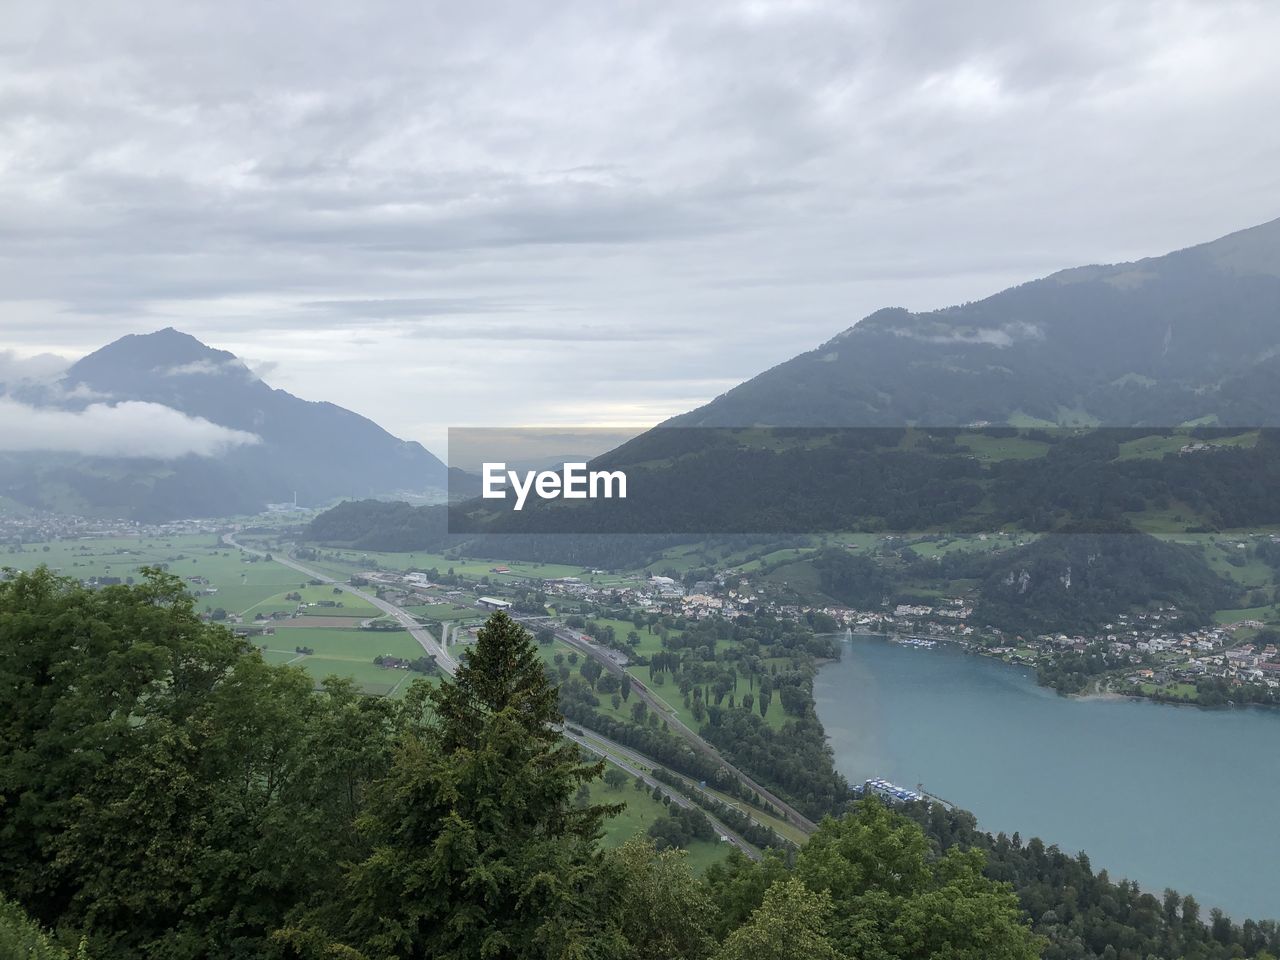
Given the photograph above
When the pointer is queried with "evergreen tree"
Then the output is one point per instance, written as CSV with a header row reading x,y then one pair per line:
x,y
478,849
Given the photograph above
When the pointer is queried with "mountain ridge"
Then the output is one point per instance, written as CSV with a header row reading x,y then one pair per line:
x,y
1162,341
316,449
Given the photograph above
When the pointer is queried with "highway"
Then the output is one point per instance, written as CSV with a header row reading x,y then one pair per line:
x,y
613,660
435,648
616,662
638,766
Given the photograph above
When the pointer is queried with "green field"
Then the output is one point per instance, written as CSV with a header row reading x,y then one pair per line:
x,y
800,576
1179,691
1153,448
245,586
240,580
988,542
640,813
353,607
1265,614
668,691
989,448
650,643
773,558
345,653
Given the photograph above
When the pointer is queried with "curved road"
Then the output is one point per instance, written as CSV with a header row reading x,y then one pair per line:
x,y
613,661
606,749
616,663
434,647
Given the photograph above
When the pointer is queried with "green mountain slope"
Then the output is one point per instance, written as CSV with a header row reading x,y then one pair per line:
x,y
1161,341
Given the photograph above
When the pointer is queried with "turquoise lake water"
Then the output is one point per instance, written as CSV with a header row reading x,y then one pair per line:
x,y
1167,796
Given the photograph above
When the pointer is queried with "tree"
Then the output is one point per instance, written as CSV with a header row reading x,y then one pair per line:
x,y
626,686
615,779
791,924
20,937
477,846
892,899
591,670
663,910
224,788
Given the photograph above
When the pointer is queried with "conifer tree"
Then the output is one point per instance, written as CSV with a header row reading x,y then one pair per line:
x,y
478,849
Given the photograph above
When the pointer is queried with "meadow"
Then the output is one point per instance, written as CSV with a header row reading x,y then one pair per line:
x,y
640,813
243,585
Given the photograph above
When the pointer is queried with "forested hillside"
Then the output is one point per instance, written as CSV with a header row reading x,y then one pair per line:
x,y
167,794
1082,581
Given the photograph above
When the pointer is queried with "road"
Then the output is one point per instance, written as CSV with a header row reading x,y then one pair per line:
x,y
435,648
616,662
618,753
627,760
613,660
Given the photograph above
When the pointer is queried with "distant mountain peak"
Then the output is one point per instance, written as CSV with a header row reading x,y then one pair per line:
x,y
314,449
139,355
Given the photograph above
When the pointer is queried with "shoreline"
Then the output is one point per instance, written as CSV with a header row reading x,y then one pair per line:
x,y
1095,695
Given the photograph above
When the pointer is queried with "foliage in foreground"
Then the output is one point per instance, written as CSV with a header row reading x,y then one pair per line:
x,y
166,794
20,937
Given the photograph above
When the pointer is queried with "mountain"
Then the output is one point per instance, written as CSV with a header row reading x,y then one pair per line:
x,y
1083,581
952,413
1190,336
279,445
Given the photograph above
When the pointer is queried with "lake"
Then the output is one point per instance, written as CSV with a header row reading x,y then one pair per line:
x,y
1167,796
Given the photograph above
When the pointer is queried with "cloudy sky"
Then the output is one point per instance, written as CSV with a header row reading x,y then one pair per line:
x,y
594,213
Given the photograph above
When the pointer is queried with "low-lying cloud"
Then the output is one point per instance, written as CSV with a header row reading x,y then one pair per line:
x,y
208,368
42,367
1005,335
129,429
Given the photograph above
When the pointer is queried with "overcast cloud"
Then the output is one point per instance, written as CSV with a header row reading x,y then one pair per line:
x,y
546,213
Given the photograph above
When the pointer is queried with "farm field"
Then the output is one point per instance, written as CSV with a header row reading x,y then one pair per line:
x,y
239,582
799,575
315,598
777,556
344,653
245,586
